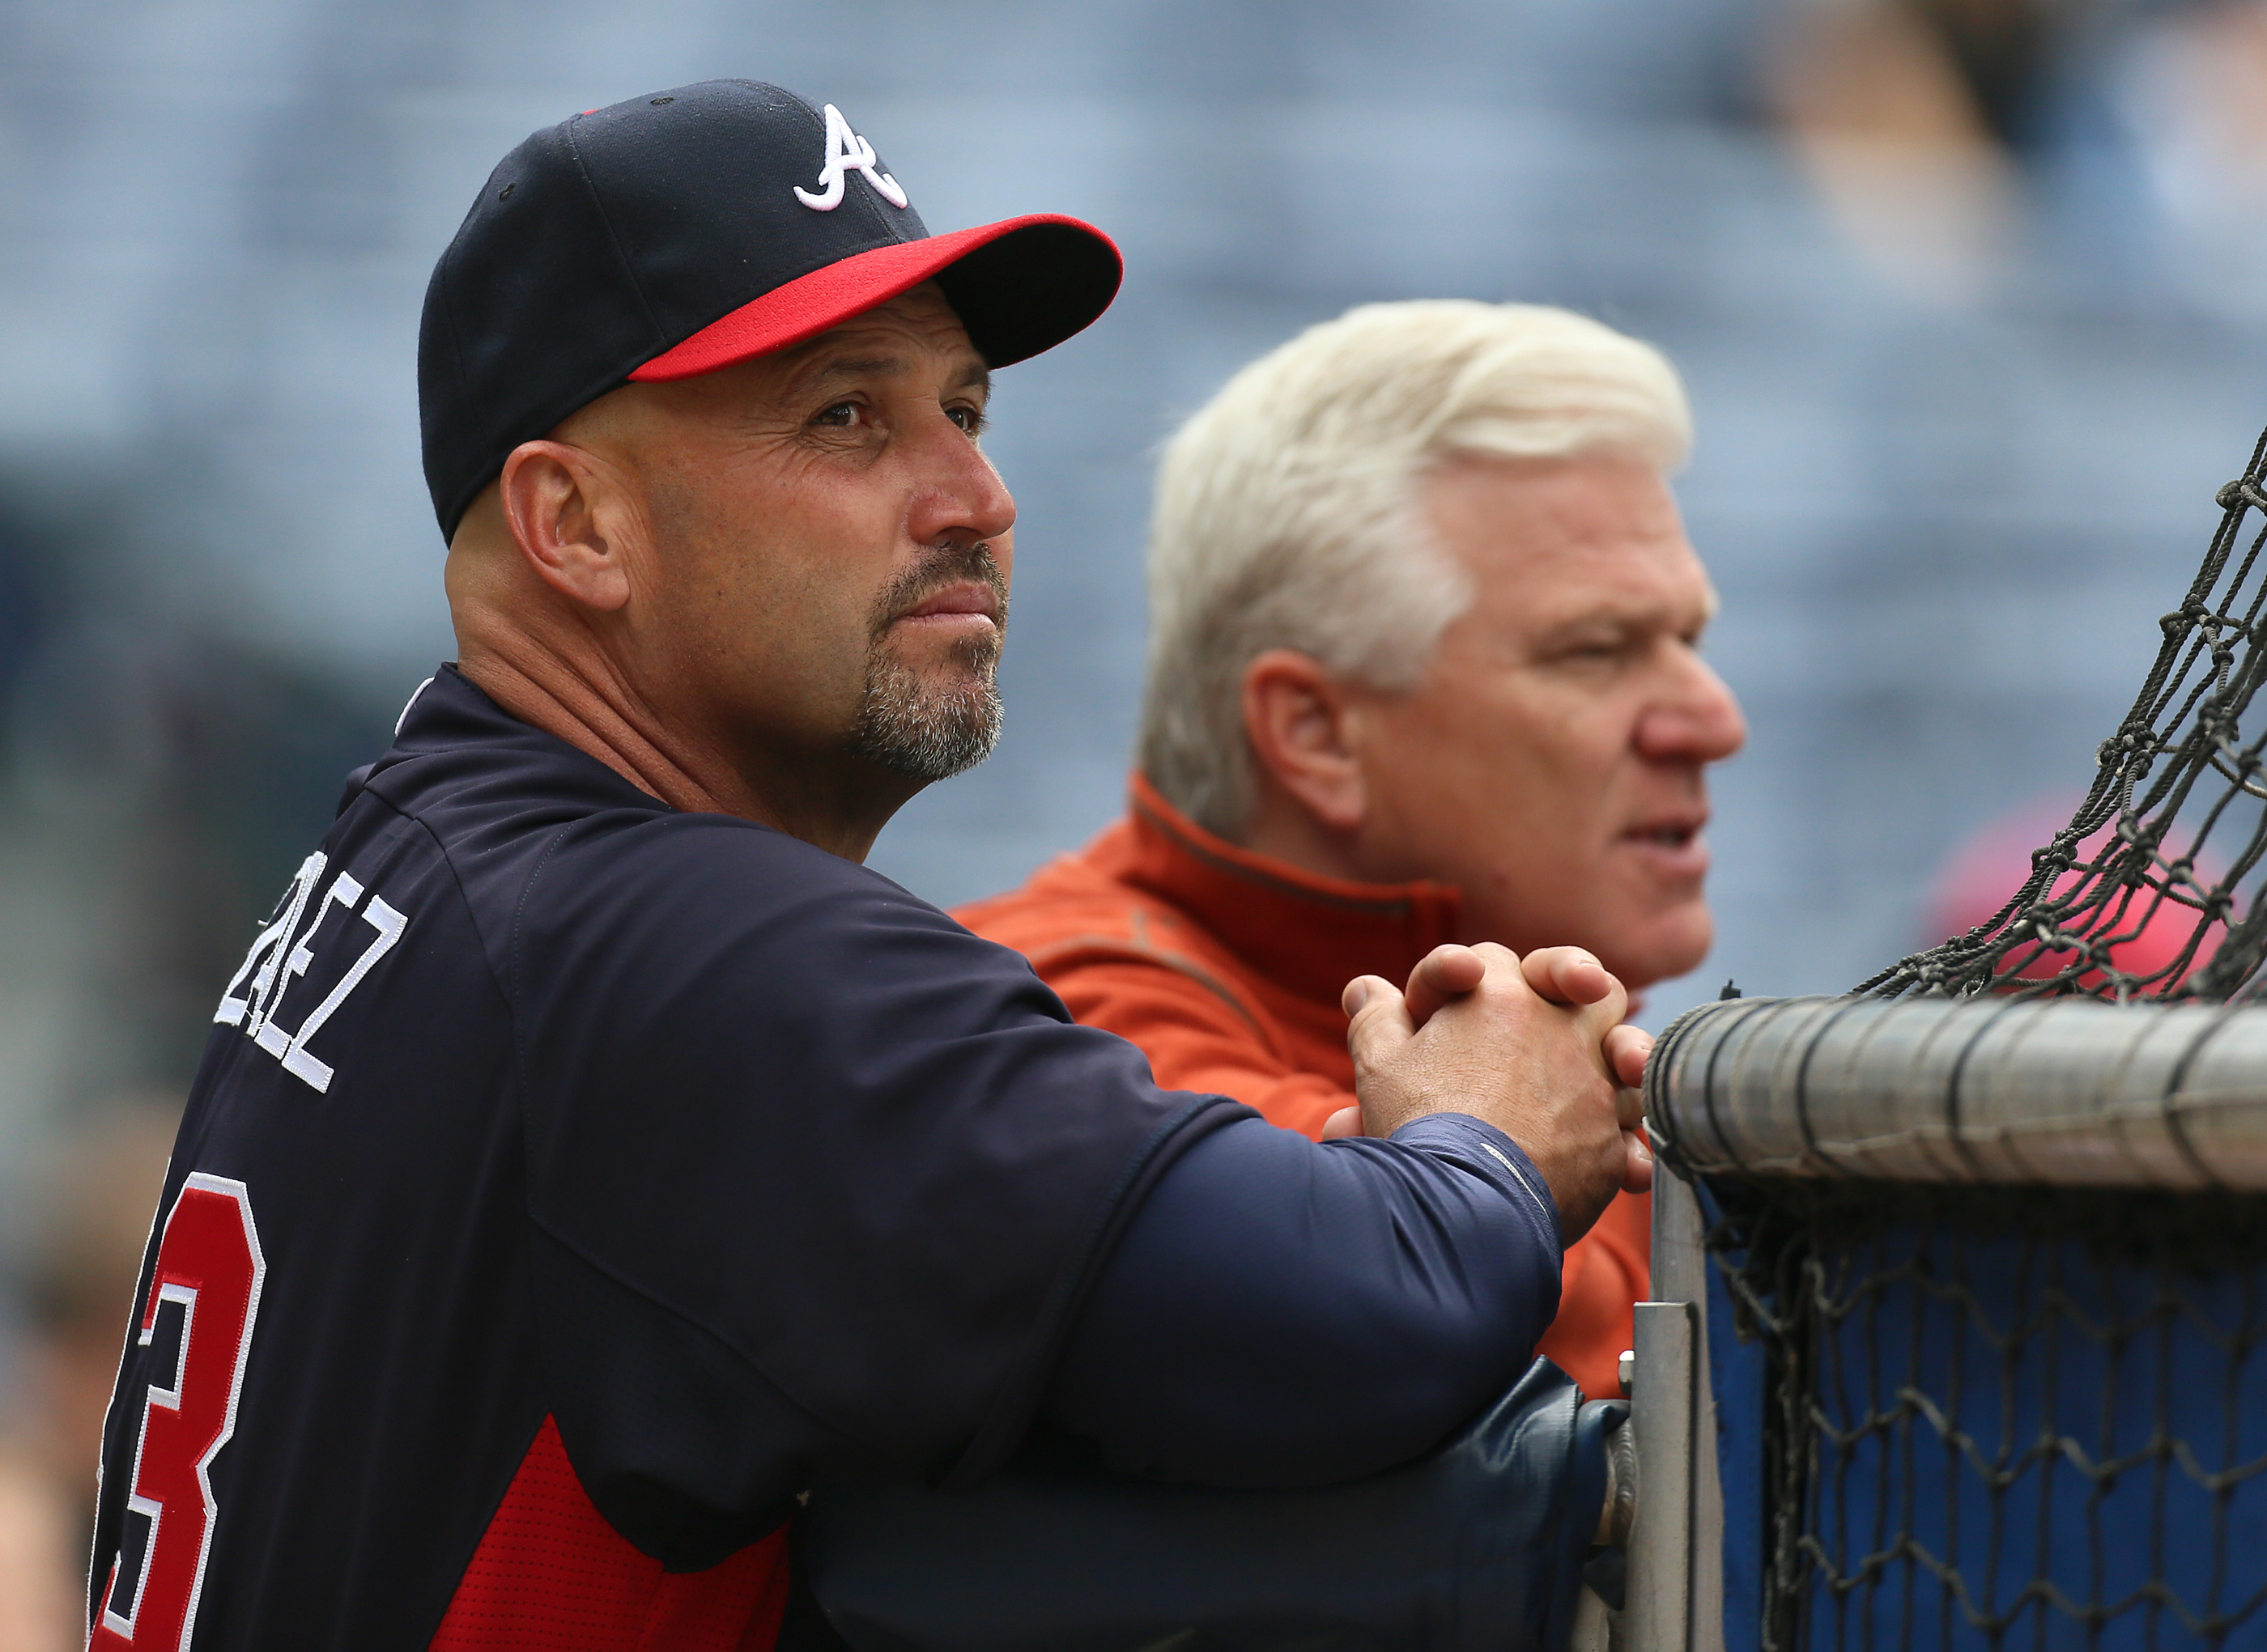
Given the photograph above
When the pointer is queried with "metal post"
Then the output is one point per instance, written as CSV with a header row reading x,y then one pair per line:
x,y
1659,1609
1676,1575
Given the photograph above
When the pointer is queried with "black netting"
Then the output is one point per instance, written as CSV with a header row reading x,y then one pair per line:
x,y
2004,1417
1996,1417
2154,888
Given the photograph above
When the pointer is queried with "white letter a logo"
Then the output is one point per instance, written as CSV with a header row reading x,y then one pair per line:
x,y
845,153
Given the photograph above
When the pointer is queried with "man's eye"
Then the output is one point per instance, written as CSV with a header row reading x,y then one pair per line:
x,y
969,419
842,413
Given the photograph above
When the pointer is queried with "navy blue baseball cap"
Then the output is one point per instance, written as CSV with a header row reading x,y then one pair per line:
x,y
679,232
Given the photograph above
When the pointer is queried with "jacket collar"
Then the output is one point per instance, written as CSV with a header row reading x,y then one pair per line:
x,y
1307,933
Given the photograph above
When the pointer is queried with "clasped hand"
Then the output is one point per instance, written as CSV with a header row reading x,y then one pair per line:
x,y
1535,1046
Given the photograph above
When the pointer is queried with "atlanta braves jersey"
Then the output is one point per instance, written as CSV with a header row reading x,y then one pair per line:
x,y
565,1177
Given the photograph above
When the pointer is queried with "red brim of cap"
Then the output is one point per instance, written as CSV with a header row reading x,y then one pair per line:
x,y
1020,286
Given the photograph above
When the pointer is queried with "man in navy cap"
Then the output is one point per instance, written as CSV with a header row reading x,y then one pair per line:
x,y
590,1158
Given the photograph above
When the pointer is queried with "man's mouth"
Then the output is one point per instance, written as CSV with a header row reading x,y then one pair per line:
x,y
1672,842
962,598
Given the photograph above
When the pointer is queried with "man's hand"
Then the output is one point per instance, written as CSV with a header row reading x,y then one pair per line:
x,y
1535,1046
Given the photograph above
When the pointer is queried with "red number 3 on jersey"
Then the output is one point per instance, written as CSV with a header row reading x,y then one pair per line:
x,y
197,1326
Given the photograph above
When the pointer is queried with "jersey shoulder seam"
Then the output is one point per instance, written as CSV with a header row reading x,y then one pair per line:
x,y
455,879
513,952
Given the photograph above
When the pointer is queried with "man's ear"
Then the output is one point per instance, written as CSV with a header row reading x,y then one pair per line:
x,y
555,497
1295,718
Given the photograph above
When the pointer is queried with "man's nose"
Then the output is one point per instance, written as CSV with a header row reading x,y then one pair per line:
x,y
962,495
1698,720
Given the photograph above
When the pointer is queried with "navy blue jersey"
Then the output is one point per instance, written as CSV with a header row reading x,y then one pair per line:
x,y
567,1180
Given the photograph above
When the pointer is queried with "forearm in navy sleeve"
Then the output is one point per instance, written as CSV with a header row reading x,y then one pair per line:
x,y
1283,1313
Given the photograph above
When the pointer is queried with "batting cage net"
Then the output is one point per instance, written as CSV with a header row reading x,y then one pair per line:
x,y
2166,848
1987,1241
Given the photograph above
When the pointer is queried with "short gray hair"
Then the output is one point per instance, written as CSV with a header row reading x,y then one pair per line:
x,y
1288,513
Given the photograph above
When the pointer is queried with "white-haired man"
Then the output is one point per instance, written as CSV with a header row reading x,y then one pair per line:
x,y
1424,668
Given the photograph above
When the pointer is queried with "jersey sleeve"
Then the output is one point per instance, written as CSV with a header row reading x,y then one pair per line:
x,y
1196,1037
800,1147
1284,1313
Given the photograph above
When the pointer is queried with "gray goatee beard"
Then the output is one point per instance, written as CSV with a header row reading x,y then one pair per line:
x,y
929,732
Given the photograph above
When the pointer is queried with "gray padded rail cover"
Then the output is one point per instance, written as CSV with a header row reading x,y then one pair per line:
x,y
2067,1090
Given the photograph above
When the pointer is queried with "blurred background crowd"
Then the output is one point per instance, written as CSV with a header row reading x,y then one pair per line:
x,y
1971,296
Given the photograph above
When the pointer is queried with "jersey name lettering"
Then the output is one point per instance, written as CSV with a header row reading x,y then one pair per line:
x,y
274,960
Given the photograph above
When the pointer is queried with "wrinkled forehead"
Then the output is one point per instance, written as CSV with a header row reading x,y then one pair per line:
x,y
917,334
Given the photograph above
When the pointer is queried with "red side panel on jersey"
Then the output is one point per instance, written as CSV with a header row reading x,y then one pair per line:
x,y
551,1575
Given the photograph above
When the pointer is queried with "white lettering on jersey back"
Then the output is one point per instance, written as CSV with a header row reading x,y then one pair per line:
x,y
260,962
262,1029
845,153
274,962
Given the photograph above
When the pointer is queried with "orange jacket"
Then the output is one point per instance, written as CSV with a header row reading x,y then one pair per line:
x,y
1225,967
